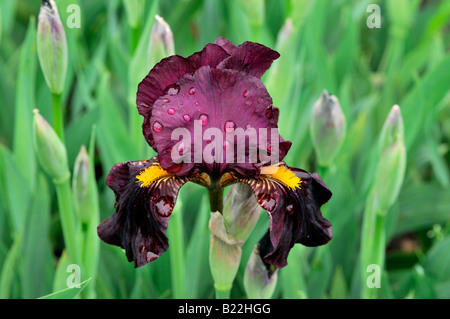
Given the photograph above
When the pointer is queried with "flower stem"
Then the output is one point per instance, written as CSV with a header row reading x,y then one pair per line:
x,y
223,294
58,123
216,199
68,221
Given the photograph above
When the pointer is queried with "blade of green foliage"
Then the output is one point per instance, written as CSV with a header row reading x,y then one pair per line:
x,y
38,261
25,103
68,293
16,191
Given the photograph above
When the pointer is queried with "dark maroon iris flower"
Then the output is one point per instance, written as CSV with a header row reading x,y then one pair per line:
x,y
197,111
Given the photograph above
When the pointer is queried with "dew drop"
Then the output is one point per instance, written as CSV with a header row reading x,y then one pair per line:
x,y
245,93
181,103
166,100
229,126
186,117
171,111
203,119
192,91
157,127
196,103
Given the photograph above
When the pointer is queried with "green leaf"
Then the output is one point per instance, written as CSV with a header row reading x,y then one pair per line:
x,y
422,100
415,211
437,262
68,293
8,272
37,255
338,289
25,103
15,190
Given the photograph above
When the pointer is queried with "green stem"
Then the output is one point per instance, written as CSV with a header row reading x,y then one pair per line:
x,y
68,221
58,123
216,205
216,199
176,251
223,294
373,245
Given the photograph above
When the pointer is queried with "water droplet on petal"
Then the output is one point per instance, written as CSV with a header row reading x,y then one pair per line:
x,y
266,201
229,126
164,206
203,119
181,103
186,117
166,100
171,111
248,102
157,127
245,93
196,103
192,91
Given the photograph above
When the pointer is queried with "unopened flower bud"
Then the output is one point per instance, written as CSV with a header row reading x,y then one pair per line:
x,y
82,188
241,211
392,162
52,46
328,127
50,150
225,253
161,43
259,278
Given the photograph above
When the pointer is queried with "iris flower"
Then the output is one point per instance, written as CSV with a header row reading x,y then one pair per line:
x,y
219,87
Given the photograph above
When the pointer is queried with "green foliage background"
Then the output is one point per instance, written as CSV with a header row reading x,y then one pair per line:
x,y
328,46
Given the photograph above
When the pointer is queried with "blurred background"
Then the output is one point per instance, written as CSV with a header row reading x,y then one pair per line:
x,y
369,57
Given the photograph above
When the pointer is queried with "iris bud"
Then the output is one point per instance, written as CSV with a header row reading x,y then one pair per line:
x,y
241,211
52,46
391,165
229,231
161,43
259,280
82,188
225,253
50,150
327,128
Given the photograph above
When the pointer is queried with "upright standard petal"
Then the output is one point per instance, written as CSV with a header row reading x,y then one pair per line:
x,y
250,57
162,80
292,198
145,197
